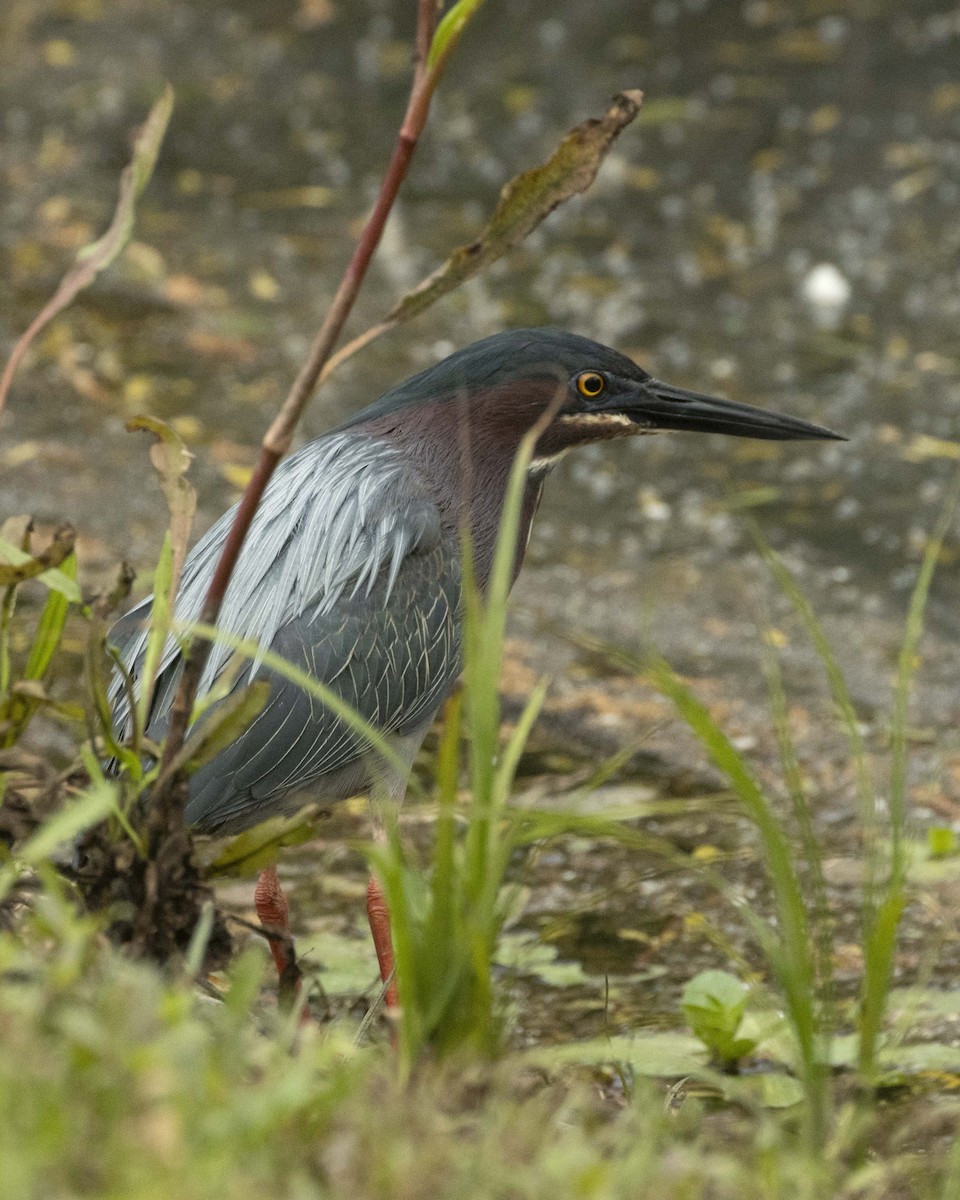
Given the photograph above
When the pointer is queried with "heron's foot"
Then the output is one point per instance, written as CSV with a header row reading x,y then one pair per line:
x,y
273,912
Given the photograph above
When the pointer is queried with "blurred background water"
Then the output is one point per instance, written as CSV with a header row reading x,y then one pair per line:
x,y
780,225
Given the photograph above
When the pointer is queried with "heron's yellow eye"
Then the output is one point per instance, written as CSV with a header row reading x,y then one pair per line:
x,y
590,384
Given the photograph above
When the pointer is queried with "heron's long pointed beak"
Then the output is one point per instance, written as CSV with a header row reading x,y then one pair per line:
x,y
662,406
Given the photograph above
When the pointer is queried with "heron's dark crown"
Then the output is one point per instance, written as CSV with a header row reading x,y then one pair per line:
x,y
510,379
501,359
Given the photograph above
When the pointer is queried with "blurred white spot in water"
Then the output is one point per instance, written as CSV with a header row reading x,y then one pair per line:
x,y
652,507
784,372
723,368
765,208
723,87
827,291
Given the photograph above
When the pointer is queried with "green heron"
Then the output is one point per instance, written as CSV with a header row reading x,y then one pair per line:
x,y
352,567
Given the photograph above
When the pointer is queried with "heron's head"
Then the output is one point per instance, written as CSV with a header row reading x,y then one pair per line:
x,y
579,391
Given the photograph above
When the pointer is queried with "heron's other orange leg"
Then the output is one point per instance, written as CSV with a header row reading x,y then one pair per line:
x,y
379,918
274,915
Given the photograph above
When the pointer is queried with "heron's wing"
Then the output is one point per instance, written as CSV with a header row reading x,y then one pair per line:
x,y
390,658
337,517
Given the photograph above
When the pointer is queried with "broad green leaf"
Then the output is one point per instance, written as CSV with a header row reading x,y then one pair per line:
x,y
525,201
664,1055
771,1089
258,847
942,841
713,1003
716,990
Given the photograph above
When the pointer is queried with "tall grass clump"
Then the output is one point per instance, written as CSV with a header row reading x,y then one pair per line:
x,y
446,920
788,946
798,947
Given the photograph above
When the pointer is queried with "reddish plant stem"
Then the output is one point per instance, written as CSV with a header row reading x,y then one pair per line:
x,y
278,437
46,314
426,24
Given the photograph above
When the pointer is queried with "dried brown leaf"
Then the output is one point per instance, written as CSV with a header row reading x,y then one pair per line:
x,y
171,460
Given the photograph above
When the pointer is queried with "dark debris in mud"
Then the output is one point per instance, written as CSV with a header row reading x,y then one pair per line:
x,y
154,901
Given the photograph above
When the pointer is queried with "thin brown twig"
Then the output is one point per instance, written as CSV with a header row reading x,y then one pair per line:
x,y
278,437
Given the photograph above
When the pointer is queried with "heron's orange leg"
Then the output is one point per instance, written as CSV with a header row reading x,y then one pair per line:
x,y
379,918
274,915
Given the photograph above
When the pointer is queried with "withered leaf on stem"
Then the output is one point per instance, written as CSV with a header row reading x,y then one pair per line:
x,y
28,566
96,257
171,460
525,201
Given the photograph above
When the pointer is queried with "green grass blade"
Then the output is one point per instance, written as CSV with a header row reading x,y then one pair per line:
x,y
879,952
906,668
100,713
485,628
844,702
803,817
444,881
882,933
510,758
161,614
49,630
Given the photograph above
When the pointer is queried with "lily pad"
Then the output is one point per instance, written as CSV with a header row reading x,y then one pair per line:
x,y
655,1055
